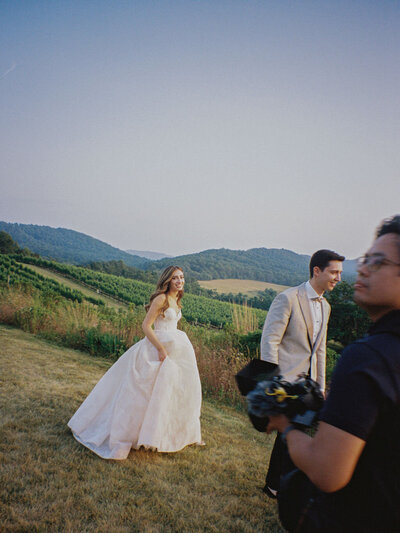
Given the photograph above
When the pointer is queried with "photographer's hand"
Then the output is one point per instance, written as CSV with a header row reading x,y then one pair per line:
x,y
278,422
328,459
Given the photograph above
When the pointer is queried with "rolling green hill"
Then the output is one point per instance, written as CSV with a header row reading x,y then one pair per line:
x,y
67,245
273,265
262,264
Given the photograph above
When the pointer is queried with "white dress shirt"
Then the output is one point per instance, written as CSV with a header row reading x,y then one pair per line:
x,y
316,309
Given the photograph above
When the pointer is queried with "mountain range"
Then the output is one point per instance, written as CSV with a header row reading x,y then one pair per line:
x,y
264,264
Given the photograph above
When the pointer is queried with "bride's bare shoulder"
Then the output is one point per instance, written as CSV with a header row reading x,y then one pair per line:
x,y
159,301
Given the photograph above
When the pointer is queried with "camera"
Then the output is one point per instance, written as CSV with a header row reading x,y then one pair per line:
x,y
269,394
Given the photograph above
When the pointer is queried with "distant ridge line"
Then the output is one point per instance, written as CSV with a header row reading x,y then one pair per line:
x,y
272,265
153,256
67,245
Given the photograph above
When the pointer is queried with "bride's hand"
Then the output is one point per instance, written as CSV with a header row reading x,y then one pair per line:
x,y
162,354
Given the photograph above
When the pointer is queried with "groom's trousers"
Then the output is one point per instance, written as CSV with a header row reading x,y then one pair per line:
x,y
279,463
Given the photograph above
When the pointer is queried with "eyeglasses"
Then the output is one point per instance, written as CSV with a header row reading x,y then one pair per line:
x,y
374,262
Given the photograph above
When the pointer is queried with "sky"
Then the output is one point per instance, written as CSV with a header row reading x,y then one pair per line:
x,y
180,126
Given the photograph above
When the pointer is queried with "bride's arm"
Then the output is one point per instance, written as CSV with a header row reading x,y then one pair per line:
x,y
148,321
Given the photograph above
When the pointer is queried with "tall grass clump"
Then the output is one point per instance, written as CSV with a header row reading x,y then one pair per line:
x,y
244,319
219,358
104,331
81,325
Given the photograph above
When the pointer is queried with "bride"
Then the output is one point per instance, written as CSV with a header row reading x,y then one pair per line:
x,y
151,396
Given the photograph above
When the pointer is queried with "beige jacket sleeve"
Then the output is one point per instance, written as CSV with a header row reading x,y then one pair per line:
x,y
274,328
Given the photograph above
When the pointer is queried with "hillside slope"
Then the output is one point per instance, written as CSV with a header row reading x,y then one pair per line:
x,y
67,245
51,483
244,286
273,265
262,264
112,302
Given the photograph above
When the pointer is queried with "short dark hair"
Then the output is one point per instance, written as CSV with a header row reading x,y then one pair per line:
x,y
321,259
390,225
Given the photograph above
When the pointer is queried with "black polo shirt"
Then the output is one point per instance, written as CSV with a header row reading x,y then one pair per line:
x,y
364,400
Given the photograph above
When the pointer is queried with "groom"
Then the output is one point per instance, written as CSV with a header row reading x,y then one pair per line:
x,y
294,336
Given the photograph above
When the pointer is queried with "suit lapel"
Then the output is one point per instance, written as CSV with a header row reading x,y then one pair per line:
x,y
306,311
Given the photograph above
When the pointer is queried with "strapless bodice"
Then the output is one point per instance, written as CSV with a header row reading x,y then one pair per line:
x,y
169,321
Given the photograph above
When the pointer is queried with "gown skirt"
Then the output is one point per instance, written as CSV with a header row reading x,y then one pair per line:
x,y
142,402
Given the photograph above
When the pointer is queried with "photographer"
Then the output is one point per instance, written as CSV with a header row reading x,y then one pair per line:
x,y
354,458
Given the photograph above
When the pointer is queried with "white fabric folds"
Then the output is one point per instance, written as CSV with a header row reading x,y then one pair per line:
x,y
143,402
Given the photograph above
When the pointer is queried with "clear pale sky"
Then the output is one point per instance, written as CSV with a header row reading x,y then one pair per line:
x,y
178,126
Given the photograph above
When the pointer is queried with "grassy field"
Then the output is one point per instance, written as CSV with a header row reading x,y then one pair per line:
x,y
245,286
48,482
78,286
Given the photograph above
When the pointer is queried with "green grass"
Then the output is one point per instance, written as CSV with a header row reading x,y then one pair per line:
x,y
48,482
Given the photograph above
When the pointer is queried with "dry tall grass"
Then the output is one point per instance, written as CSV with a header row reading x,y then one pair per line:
x,y
57,317
68,322
245,286
244,319
50,483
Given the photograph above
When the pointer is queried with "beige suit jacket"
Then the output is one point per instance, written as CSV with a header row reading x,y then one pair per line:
x,y
288,332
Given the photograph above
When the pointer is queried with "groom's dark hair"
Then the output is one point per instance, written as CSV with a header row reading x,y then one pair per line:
x,y
321,259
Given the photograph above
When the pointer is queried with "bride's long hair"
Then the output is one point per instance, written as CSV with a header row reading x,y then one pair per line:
x,y
163,285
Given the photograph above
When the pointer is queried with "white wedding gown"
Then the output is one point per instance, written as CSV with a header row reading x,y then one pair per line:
x,y
141,401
